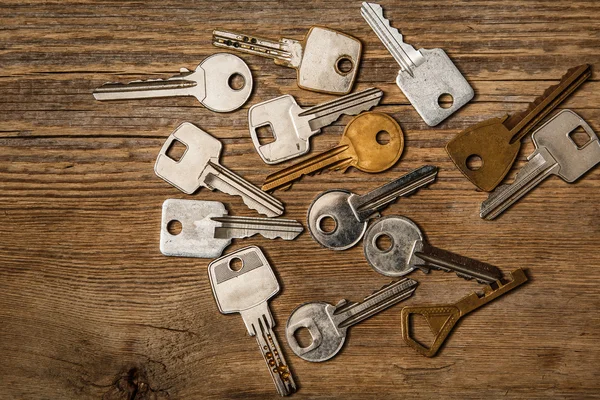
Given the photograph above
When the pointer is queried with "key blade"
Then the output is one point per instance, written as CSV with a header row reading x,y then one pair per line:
x,y
270,228
149,89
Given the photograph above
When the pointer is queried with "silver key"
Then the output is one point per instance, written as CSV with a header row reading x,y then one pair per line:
x,y
327,324
555,154
425,75
206,229
351,213
210,83
319,59
199,166
292,126
247,291
407,250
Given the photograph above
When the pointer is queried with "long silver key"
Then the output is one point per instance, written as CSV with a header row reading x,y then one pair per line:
x,y
247,290
206,229
326,60
327,324
426,76
556,153
213,83
292,126
199,166
395,246
350,213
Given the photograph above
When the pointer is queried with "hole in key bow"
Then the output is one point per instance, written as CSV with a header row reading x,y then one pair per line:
x,y
176,150
474,162
344,65
445,100
383,242
382,137
236,81
236,264
174,227
579,137
327,224
265,134
303,337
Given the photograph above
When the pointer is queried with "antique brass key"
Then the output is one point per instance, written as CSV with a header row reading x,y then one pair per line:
x,y
496,142
442,318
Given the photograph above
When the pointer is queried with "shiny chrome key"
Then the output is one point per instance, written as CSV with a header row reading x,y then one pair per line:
x,y
408,251
206,229
425,75
247,290
327,324
351,213
326,60
210,83
199,166
292,126
555,154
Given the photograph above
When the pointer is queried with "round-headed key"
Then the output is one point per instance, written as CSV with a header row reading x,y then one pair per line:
x,y
361,147
406,250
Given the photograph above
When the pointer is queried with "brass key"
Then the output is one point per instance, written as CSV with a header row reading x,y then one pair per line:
x,y
442,318
497,141
358,148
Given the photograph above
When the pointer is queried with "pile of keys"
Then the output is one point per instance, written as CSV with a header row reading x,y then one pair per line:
x,y
327,61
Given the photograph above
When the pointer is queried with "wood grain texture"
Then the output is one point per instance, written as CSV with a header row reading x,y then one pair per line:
x,y
89,308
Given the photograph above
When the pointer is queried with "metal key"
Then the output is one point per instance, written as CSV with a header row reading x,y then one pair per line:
x,y
327,324
292,126
206,229
495,143
351,212
247,290
555,154
199,166
326,60
443,317
425,75
359,148
408,251
211,83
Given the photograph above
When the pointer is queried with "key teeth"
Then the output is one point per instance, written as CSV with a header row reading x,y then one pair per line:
x,y
379,11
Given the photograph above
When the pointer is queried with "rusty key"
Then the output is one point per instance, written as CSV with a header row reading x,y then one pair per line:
x,y
497,141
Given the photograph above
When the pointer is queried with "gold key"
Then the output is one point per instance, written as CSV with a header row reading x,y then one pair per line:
x,y
442,318
496,142
359,148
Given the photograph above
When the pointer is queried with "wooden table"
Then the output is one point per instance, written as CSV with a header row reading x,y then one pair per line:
x,y
90,308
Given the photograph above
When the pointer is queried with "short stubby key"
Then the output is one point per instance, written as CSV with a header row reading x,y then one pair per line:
x,y
211,83
243,282
326,60
292,126
408,250
359,147
206,229
555,154
351,213
485,152
442,318
199,166
425,76
327,324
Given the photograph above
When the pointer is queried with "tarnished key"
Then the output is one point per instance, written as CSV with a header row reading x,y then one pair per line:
x,y
360,147
350,212
485,152
213,83
206,229
407,250
425,76
326,60
555,154
443,317
327,324
292,126
199,166
243,282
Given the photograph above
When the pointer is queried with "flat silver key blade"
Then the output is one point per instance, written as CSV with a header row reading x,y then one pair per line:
x,y
229,227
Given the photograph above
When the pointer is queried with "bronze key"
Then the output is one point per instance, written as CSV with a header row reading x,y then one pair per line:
x,y
442,318
497,141
358,148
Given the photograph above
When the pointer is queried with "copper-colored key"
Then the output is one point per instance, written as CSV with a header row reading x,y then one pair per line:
x,y
358,148
497,141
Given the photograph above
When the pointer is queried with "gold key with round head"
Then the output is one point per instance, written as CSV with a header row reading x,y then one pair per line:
x,y
359,148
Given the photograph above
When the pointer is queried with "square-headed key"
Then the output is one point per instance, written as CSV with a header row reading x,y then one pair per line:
x,y
425,76
326,60
243,282
199,166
